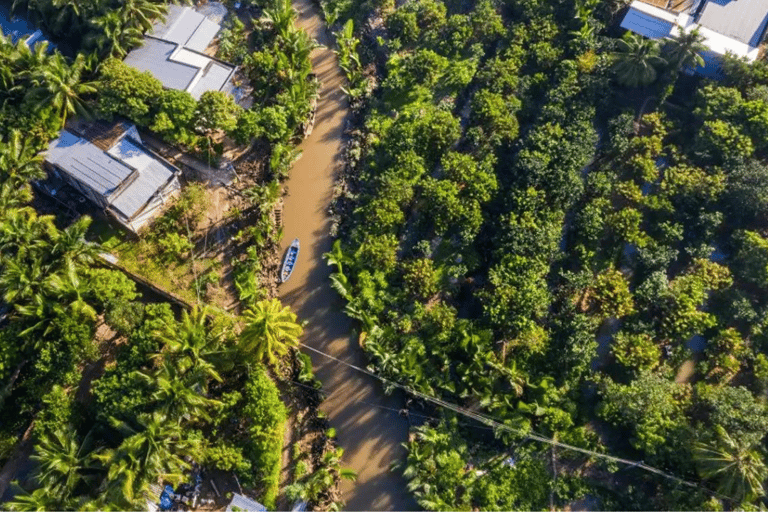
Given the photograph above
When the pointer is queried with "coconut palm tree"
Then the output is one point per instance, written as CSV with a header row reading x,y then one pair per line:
x,y
70,246
196,346
154,449
62,459
737,467
176,397
270,330
636,60
684,51
141,14
19,159
113,38
62,465
59,86
39,500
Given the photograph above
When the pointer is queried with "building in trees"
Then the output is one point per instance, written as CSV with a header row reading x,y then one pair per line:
x,y
19,29
175,53
109,164
733,26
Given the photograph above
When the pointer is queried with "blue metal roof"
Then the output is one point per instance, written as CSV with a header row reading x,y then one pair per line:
x,y
646,25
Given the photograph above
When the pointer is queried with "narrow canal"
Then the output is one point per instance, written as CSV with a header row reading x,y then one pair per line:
x,y
370,434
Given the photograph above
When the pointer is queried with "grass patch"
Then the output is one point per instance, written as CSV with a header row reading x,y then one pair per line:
x,y
163,253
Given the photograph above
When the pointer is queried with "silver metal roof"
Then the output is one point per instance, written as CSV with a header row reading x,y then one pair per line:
x,y
174,53
140,191
742,20
127,176
87,163
240,502
202,36
154,56
215,76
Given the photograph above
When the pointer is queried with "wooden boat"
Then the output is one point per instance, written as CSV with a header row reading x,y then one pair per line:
x,y
290,260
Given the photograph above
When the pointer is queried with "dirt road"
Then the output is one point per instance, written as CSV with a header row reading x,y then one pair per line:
x,y
370,435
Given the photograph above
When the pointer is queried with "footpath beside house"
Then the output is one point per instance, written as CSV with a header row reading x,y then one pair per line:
x,y
175,53
728,26
109,164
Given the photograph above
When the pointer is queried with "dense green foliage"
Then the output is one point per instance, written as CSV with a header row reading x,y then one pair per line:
x,y
119,394
505,216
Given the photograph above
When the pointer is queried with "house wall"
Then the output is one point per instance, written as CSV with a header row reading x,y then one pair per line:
x,y
77,185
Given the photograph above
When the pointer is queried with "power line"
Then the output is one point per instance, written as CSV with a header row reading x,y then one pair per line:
x,y
385,408
532,436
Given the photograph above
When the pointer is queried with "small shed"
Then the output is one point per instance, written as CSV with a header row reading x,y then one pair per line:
x,y
241,503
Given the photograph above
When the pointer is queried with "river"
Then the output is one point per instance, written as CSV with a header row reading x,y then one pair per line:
x,y
370,434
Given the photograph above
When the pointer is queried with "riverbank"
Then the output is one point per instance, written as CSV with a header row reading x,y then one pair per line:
x,y
370,434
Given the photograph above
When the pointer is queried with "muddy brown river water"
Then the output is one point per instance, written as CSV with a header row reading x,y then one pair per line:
x,y
370,434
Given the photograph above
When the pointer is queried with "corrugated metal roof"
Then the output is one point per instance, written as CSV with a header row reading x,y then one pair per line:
x,y
242,503
87,163
152,175
154,56
126,164
646,24
213,78
743,20
148,182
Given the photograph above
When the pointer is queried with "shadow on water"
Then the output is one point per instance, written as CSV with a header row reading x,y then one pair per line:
x,y
370,433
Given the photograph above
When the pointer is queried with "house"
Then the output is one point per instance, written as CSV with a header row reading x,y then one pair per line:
x,y
735,26
19,29
174,53
109,164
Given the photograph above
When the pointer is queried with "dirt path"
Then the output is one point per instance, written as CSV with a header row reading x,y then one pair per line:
x,y
371,436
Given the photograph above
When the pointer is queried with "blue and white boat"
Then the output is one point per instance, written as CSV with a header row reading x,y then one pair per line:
x,y
290,260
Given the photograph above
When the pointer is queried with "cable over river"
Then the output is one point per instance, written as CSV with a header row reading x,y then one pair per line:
x,y
370,434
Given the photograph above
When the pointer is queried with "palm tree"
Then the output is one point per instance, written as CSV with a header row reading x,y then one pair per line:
x,y
153,450
59,86
19,160
61,460
684,51
140,14
736,466
39,500
114,38
636,60
195,346
176,397
70,246
270,330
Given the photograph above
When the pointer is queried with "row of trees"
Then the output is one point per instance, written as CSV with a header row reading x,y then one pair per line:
x,y
508,217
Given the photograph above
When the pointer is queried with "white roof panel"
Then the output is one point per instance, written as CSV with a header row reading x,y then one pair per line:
x,y
203,36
